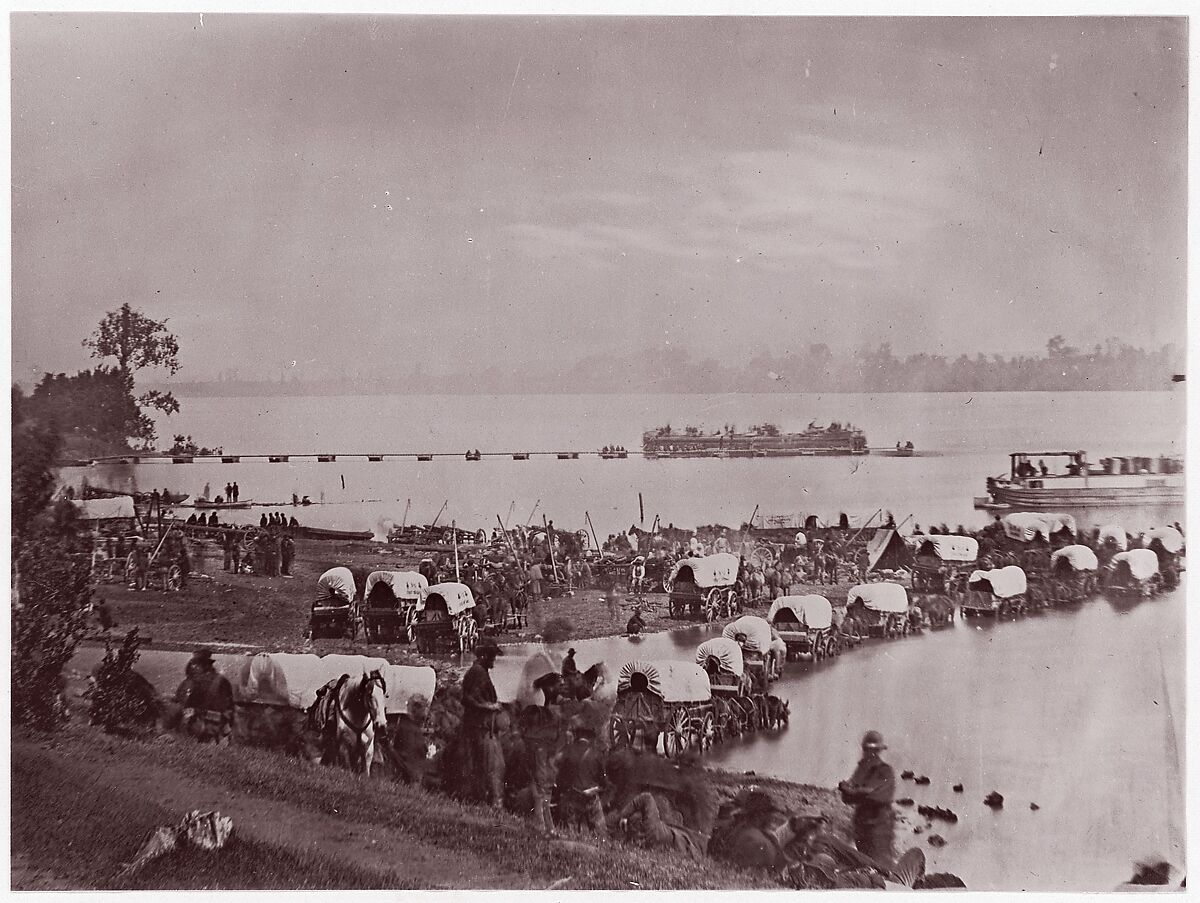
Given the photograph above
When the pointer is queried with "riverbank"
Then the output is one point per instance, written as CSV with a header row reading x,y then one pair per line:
x,y
302,826
252,613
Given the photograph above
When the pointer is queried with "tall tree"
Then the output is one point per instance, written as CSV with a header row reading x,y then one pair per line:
x,y
137,342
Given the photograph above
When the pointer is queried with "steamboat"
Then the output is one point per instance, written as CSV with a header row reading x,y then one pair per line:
x,y
762,441
1114,482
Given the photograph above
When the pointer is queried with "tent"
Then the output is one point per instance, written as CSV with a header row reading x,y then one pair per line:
x,y
887,551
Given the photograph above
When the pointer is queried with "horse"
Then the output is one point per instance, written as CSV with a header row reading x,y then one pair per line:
x,y
349,714
583,684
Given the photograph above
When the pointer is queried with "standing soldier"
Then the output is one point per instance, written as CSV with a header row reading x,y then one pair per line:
x,y
870,791
541,731
141,563
227,542
480,707
287,551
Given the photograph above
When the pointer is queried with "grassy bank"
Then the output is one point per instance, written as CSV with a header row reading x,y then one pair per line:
x,y
66,824
65,797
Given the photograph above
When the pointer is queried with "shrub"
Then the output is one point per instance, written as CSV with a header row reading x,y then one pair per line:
x,y
51,601
121,700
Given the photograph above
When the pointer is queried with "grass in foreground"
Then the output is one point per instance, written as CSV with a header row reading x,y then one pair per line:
x,y
83,833
429,818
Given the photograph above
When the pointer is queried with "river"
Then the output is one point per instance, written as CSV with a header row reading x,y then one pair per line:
x,y
962,440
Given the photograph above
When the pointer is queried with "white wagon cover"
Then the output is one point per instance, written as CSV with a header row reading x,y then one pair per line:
x,y
670,681
950,548
406,681
1005,582
1081,558
338,581
727,652
711,570
292,679
812,611
756,629
1170,538
404,584
1114,533
885,597
457,596
1023,526
1142,563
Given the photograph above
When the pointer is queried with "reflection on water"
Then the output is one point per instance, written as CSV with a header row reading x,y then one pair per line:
x,y
1079,710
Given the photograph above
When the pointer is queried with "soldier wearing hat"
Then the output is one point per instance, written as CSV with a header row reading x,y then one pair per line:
x,y
541,729
480,705
870,791
207,699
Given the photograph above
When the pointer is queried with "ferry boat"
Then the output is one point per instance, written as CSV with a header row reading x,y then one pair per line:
x,y
761,441
1114,482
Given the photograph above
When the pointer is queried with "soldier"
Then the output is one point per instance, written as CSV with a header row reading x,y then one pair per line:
x,y
870,791
541,731
479,727
581,780
207,700
409,748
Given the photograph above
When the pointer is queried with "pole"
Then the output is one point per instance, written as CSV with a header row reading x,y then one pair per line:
x,y
641,511
903,522
404,522
595,538
454,533
550,543
439,514
531,513
750,523
864,526
504,525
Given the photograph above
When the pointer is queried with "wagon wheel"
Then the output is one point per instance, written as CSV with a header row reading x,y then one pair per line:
x,y
675,734
468,633
173,579
835,644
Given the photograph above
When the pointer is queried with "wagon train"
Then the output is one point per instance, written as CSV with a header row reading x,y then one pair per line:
x,y
666,705
737,708
880,608
805,623
446,620
390,603
704,587
998,592
335,611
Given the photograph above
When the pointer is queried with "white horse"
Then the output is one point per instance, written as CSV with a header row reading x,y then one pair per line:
x,y
349,714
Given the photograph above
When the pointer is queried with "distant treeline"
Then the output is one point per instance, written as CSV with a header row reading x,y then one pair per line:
x,y
1114,366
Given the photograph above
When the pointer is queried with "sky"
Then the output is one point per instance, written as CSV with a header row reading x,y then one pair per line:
x,y
316,196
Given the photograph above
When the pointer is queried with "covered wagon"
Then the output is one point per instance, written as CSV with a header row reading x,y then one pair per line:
x,y
1073,574
735,708
805,624
882,608
1135,572
704,587
1025,526
997,592
445,620
753,635
335,611
390,603
666,705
